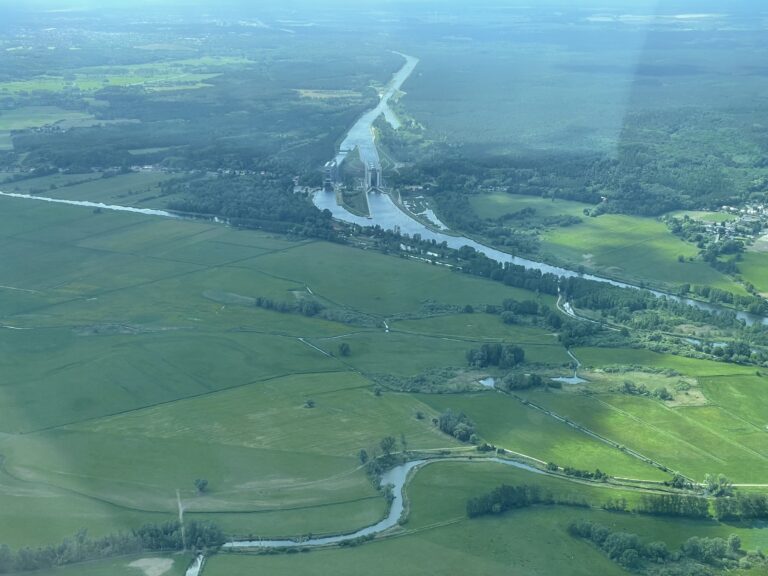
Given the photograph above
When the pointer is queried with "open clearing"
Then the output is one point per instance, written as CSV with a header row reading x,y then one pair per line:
x,y
631,248
144,565
754,269
170,75
720,437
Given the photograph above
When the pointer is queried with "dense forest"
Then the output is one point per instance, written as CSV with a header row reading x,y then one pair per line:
x,y
264,201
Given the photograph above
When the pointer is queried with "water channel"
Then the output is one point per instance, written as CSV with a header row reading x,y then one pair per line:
x,y
360,136
396,477
384,212
94,205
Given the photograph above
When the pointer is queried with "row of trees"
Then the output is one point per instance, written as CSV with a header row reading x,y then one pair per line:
x,y
306,306
252,201
166,536
695,556
505,497
674,505
501,355
742,506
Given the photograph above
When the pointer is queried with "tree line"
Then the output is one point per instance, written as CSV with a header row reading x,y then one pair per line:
x,y
696,557
506,497
163,537
264,201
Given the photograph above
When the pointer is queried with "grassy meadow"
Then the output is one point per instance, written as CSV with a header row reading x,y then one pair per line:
x,y
507,423
144,564
154,76
136,362
717,434
131,339
439,538
630,248
754,269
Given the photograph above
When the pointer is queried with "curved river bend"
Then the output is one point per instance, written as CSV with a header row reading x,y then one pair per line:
x,y
396,477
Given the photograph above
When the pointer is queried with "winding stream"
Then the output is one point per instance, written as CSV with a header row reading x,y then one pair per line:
x,y
396,477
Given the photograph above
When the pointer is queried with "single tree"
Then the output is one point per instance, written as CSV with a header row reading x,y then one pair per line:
x,y
734,543
388,444
344,349
202,485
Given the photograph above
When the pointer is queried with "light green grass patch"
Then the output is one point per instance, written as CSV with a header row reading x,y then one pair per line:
x,y
133,189
496,204
540,345
372,352
635,249
138,565
261,447
597,357
631,248
440,539
88,375
39,514
507,423
705,216
754,269
324,518
741,395
490,547
695,441
162,75
38,116
382,285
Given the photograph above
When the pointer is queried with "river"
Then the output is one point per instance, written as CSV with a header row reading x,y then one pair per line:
x,y
396,477
360,136
389,216
385,213
95,205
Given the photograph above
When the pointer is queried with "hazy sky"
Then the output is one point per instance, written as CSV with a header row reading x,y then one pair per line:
x,y
254,5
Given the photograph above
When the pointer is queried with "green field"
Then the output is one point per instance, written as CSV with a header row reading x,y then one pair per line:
x,y
175,565
160,76
439,538
375,285
38,116
27,117
705,216
754,269
720,435
136,332
136,362
140,189
505,422
630,248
